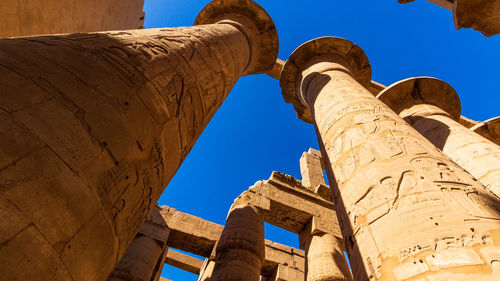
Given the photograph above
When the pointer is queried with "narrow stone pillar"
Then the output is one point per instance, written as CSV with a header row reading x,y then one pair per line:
x,y
325,259
145,256
240,251
311,169
94,126
489,129
431,106
405,209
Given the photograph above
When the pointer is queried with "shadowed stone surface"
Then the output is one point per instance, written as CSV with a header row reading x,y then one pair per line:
x,y
95,125
400,200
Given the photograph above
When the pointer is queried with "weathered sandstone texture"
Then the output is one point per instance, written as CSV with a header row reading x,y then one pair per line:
x,y
37,17
240,250
431,106
94,126
405,209
144,258
482,15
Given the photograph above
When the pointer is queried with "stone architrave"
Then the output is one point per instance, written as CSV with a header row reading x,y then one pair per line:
x,y
240,251
406,210
432,107
94,126
489,129
482,15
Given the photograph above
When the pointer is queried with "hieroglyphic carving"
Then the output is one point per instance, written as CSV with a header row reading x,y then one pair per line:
x,y
119,111
404,200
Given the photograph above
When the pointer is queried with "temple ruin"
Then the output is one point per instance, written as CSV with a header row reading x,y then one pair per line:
x,y
414,186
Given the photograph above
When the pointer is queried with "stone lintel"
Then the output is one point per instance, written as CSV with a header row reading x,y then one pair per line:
x,y
190,233
467,122
200,236
276,71
291,205
183,261
376,87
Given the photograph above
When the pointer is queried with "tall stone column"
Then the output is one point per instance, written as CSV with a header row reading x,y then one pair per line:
x,y
325,259
94,126
405,209
145,256
240,251
432,107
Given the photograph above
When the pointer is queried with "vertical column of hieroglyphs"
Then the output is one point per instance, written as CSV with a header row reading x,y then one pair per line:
x,y
240,251
431,106
405,209
93,127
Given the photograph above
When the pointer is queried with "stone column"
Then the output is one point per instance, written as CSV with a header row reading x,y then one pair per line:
x,y
145,256
240,251
432,107
489,129
405,209
325,259
94,126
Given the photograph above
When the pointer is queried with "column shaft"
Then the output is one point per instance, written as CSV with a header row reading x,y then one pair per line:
x,y
240,249
476,154
404,201
95,125
325,259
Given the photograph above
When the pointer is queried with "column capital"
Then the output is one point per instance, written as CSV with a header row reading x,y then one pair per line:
x,y
254,22
421,90
489,129
333,49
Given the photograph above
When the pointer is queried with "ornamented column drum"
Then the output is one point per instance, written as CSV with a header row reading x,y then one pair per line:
x,y
240,251
489,129
431,106
325,259
93,127
405,209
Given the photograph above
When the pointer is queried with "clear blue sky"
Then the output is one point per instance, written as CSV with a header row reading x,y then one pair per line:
x,y
256,132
